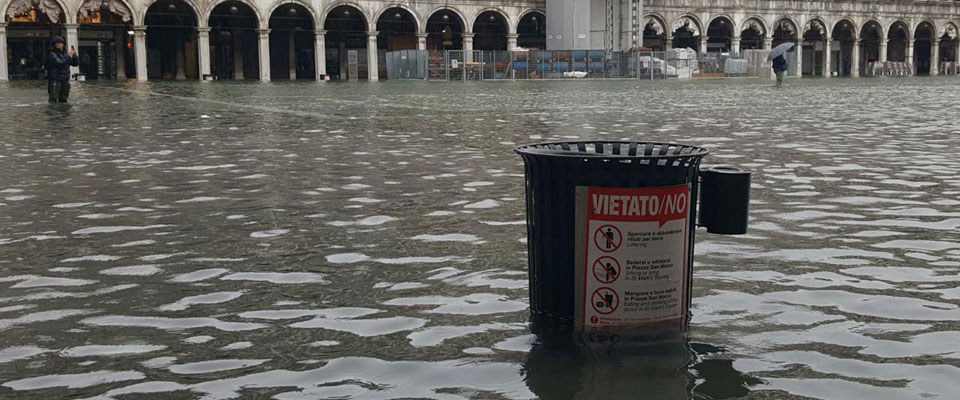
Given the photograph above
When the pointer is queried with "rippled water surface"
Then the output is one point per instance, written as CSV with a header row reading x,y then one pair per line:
x,y
367,241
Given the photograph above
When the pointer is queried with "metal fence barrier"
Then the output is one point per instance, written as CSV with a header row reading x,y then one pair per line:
x,y
480,65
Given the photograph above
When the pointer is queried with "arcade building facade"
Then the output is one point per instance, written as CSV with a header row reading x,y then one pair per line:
x,y
313,39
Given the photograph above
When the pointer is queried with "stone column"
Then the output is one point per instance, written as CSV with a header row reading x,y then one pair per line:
x,y
883,51
422,41
320,54
935,57
140,51
512,41
119,53
768,43
467,47
73,33
203,50
4,74
180,58
667,42
237,56
909,56
799,49
292,41
735,45
703,45
264,50
855,59
373,74
827,72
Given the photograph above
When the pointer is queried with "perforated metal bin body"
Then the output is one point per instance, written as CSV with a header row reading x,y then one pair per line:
x,y
553,171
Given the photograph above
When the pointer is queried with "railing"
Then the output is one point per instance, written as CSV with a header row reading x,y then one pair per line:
x,y
477,65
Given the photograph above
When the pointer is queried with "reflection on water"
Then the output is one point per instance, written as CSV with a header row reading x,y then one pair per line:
x,y
304,241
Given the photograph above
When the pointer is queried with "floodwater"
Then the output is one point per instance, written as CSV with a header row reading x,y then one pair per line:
x,y
308,241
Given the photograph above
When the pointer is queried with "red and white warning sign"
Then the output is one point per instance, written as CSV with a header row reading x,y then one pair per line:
x,y
632,255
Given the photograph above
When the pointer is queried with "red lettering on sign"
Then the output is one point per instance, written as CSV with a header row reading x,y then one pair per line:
x,y
661,205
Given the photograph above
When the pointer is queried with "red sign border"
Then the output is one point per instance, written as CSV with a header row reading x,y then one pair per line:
x,y
686,249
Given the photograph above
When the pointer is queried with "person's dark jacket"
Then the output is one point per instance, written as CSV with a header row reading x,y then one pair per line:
x,y
58,65
779,64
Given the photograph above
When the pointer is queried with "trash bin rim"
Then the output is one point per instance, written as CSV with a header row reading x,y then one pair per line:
x,y
540,150
726,169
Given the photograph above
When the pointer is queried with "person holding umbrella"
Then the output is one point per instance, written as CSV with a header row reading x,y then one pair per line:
x,y
779,62
58,64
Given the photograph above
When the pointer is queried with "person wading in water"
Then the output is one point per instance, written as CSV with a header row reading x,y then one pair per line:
x,y
779,68
58,64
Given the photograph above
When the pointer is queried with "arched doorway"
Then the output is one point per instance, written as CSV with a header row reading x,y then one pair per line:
x,y
720,35
686,34
785,31
397,30
490,31
346,43
923,61
898,39
871,44
233,32
654,34
751,34
445,31
171,41
949,44
532,31
844,35
32,25
815,49
105,41
292,43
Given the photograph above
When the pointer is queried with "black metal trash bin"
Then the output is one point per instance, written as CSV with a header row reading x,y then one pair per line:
x,y
565,184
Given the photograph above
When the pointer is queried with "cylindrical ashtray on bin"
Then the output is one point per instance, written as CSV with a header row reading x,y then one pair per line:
x,y
611,228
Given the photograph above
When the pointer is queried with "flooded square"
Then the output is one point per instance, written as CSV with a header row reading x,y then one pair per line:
x,y
308,241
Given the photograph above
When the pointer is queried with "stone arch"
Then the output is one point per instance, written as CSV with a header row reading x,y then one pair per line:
x,y
720,32
305,4
463,19
333,6
654,31
752,32
845,33
899,37
498,10
121,8
687,32
754,22
901,23
531,29
524,13
950,30
16,8
849,22
875,23
924,58
417,20
261,20
689,22
816,23
788,25
929,23
200,22
656,22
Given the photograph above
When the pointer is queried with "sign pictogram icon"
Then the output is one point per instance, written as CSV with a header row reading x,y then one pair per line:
x,y
608,238
605,300
606,269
